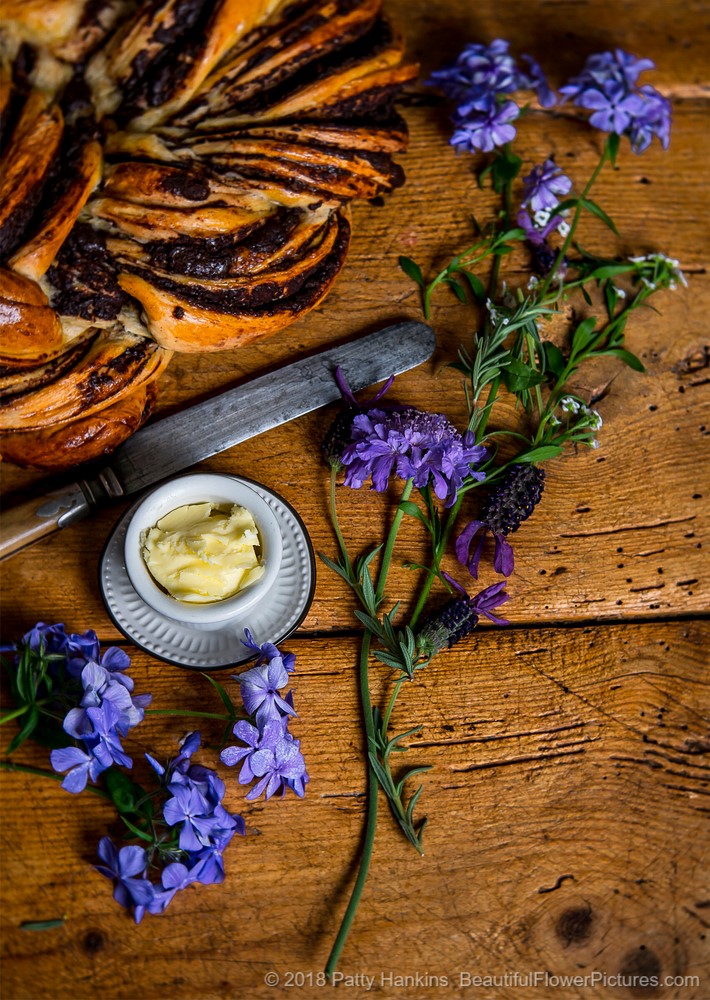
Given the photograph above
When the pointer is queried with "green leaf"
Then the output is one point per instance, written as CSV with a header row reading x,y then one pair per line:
x,y
479,293
42,925
412,270
627,357
336,567
584,334
518,376
457,288
597,210
612,147
413,510
134,829
586,296
554,358
28,727
563,206
610,271
226,700
125,794
541,454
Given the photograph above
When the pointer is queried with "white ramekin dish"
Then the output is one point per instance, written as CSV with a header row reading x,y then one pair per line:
x,y
193,488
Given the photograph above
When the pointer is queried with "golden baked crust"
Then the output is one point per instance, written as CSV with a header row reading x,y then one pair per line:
x,y
177,178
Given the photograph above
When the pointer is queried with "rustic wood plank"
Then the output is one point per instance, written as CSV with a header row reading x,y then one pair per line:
x,y
568,810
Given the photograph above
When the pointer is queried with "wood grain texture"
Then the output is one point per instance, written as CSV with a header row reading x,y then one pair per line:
x,y
570,794
568,808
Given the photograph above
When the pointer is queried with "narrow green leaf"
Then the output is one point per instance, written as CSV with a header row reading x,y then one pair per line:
x,y
42,925
612,147
610,271
583,334
125,794
28,727
479,293
457,288
336,567
586,296
563,206
412,270
134,829
597,210
226,700
541,454
627,357
413,510
554,358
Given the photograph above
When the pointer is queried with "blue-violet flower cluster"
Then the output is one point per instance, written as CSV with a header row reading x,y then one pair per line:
x,y
607,86
424,447
200,829
479,81
103,708
270,756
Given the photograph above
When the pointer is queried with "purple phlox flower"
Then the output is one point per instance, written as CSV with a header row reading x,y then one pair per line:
x,y
539,227
80,767
79,649
123,866
417,445
654,120
614,108
178,765
268,651
231,756
104,742
537,81
260,688
207,865
483,125
277,759
542,186
607,86
190,808
480,70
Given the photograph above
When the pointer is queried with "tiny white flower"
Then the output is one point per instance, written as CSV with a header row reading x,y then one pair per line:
x,y
594,443
541,218
621,294
563,229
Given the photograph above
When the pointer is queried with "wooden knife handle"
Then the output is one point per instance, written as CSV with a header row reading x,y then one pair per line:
x,y
29,521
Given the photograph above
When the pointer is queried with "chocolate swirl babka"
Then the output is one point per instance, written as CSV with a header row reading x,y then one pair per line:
x,y
174,176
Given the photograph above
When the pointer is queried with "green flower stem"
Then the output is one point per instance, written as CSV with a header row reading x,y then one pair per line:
x,y
438,556
8,765
606,155
390,706
334,518
188,713
371,822
389,545
16,712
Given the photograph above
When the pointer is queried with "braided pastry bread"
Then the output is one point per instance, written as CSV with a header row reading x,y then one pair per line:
x,y
174,176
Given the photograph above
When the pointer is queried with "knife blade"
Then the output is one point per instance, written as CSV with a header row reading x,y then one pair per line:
x,y
178,441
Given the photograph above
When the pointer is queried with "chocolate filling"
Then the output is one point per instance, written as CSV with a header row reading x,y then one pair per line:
x,y
84,277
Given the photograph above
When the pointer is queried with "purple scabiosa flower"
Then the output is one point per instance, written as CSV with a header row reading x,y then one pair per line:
x,y
458,617
417,445
542,186
339,434
607,86
510,503
484,124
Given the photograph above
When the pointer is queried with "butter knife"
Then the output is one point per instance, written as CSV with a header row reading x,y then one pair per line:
x,y
178,441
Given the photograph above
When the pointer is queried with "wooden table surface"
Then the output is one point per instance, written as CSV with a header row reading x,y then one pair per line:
x,y
569,798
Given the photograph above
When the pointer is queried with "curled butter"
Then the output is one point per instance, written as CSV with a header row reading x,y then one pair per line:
x,y
200,553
